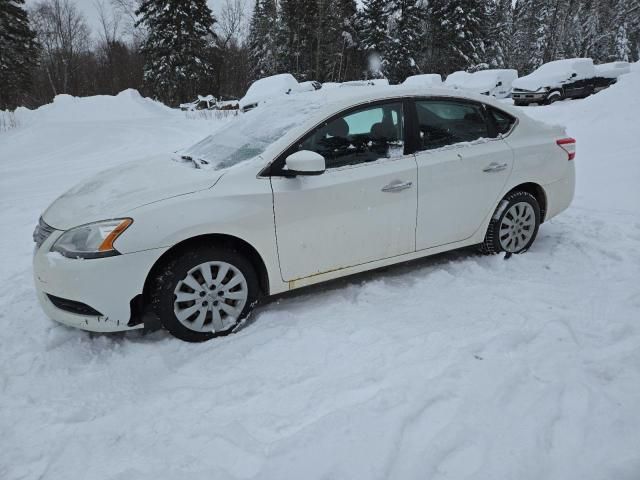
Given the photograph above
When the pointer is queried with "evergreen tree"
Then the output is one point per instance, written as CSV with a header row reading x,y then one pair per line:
x,y
405,40
335,45
373,23
18,53
499,32
526,27
262,39
178,59
297,33
457,33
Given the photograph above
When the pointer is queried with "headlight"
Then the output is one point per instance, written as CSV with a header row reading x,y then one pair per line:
x,y
93,240
542,89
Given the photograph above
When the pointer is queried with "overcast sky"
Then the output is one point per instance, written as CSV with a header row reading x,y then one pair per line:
x,y
88,8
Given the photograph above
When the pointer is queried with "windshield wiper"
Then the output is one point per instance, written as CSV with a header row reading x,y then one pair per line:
x,y
197,162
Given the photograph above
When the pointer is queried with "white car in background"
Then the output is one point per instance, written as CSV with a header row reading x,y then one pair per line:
x,y
266,88
493,82
313,187
457,79
423,80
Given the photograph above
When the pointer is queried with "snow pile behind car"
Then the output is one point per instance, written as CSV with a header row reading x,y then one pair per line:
x,y
126,105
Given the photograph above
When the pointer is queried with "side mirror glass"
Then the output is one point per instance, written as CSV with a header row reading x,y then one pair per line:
x,y
499,84
305,162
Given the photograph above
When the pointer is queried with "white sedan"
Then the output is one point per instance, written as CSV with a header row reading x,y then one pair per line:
x,y
307,189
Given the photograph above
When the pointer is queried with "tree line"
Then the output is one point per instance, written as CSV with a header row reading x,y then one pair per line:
x,y
175,49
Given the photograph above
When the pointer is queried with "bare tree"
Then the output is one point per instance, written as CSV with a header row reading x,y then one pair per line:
x,y
232,22
126,10
64,36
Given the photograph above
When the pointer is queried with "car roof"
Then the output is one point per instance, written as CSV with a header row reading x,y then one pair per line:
x,y
338,99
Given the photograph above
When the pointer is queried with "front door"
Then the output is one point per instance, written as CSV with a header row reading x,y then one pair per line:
x,y
362,208
461,169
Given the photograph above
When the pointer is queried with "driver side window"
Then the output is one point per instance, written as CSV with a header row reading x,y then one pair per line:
x,y
363,135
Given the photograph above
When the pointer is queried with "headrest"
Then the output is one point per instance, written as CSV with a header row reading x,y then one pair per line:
x,y
338,128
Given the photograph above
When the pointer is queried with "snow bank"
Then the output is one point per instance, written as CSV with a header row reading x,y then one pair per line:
x,y
126,105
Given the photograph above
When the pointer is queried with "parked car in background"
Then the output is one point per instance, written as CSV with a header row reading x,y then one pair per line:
x,y
424,80
457,79
309,188
308,86
202,103
266,88
492,82
560,79
374,82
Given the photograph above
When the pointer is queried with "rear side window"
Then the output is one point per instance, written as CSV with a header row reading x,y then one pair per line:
x,y
447,122
502,121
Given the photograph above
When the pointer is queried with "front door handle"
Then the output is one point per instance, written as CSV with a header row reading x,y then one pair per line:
x,y
397,186
494,167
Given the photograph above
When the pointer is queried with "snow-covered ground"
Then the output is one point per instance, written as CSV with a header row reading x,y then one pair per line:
x,y
455,367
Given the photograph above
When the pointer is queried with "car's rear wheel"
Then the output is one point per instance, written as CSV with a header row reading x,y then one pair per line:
x,y
514,225
204,293
554,96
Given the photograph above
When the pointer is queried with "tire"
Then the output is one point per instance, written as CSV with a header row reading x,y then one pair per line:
x,y
211,304
553,97
514,225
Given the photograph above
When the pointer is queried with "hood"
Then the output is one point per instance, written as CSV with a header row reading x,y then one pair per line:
x,y
114,192
480,85
534,82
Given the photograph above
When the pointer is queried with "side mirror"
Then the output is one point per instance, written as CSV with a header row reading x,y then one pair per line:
x,y
574,74
499,84
305,162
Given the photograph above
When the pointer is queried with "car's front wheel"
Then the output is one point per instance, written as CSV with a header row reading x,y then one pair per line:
x,y
514,225
554,96
204,292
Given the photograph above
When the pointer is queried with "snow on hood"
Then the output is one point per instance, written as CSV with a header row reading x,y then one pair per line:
x,y
533,82
424,79
457,79
115,192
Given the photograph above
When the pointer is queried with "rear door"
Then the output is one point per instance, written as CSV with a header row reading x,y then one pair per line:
x,y
463,166
362,208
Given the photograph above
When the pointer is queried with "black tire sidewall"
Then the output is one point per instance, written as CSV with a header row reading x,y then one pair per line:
x,y
176,268
494,235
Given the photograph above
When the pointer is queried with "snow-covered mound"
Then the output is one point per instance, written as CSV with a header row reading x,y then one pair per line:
x,y
126,105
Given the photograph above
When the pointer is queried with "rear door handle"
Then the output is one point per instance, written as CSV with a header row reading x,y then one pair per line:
x,y
396,186
494,167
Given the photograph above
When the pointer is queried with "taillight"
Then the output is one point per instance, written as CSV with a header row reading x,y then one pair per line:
x,y
569,146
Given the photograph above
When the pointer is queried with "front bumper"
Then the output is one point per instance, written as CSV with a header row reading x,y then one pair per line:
x,y
106,284
529,97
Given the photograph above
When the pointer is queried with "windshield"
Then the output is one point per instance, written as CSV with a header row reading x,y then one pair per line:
x,y
250,133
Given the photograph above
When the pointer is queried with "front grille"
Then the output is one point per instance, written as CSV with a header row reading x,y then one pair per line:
x,y
42,232
72,306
